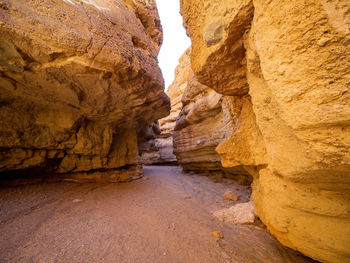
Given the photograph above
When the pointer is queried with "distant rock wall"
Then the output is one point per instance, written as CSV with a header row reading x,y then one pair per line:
x,y
201,116
156,140
206,119
287,64
77,81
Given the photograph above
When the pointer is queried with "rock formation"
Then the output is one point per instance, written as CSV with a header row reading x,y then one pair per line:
x,y
78,78
205,120
156,140
287,65
146,138
194,143
242,213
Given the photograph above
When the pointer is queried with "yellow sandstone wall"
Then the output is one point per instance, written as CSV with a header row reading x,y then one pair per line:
x,y
293,60
77,81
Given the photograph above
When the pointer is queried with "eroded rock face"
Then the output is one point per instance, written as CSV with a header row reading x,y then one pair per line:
x,y
205,120
293,133
194,146
77,80
156,140
217,35
305,127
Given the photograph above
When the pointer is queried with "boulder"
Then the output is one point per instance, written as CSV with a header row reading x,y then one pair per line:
x,y
242,213
230,196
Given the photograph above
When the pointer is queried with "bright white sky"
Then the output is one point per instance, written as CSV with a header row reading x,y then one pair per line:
x,y
175,39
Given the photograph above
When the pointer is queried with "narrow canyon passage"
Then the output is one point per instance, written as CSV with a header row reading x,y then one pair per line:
x,y
165,217
260,97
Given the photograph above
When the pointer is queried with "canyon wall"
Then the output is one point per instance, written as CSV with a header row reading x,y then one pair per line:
x,y
78,78
206,119
194,142
287,64
156,140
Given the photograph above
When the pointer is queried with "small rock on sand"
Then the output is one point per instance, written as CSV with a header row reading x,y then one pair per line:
x,y
217,234
243,213
231,196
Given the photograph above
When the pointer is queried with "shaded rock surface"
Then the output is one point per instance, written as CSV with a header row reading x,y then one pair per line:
x,y
290,63
77,81
156,140
206,119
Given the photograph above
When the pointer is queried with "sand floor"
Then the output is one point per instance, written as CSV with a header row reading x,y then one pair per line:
x,y
165,217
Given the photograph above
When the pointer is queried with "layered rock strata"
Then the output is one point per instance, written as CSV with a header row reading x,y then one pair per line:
x,y
293,59
156,140
206,119
78,79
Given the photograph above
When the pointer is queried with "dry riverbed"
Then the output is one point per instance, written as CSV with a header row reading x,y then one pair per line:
x,y
165,217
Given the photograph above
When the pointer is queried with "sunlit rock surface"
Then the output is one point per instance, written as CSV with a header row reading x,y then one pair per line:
x,y
77,80
216,29
194,141
293,134
205,120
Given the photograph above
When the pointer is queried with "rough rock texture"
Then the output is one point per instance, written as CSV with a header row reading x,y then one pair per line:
x,y
77,80
242,213
293,132
230,196
156,140
205,120
146,138
216,32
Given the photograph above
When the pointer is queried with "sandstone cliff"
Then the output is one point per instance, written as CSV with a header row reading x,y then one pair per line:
x,y
206,119
194,141
156,140
292,134
77,80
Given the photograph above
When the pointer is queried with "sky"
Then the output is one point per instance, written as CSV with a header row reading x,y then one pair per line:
x,y
175,40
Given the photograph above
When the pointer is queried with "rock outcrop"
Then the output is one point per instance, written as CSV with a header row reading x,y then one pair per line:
x,y
156,140
146,138
289,62
78,78
194,143
205,120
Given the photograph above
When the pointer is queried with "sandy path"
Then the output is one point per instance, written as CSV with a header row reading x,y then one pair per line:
x,y
164,219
